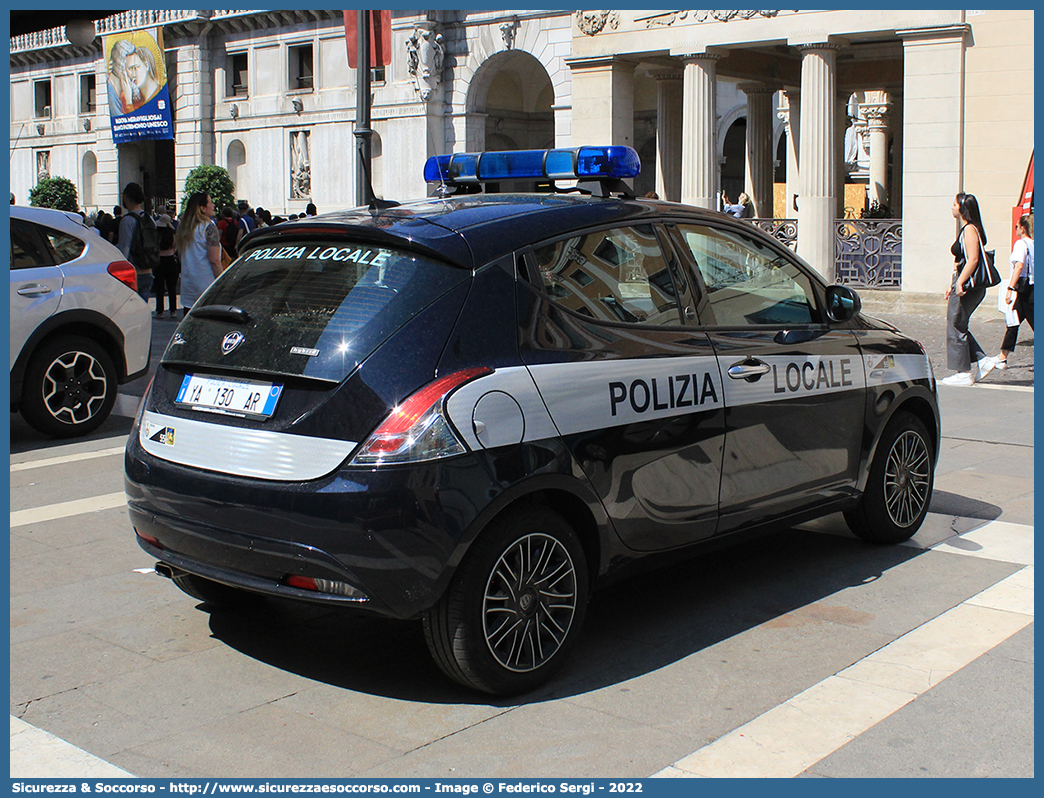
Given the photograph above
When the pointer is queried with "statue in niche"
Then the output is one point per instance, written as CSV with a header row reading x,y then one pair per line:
x,y
43,165
300,168
425,51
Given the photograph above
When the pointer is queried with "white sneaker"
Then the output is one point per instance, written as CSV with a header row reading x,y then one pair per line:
x,y
960,378
986,365
999,364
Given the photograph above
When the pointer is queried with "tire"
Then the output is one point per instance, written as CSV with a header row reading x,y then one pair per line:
x,y
899,486
514,609
215,594
69,388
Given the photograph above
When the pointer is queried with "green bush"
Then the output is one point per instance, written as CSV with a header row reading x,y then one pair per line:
x,y
54,192
215,180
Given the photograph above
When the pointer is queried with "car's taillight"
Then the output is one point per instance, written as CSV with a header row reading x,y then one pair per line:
x,y
417,429
125,273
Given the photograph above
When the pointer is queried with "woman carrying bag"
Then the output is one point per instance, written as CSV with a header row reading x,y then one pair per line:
x,y
965,296
1016,296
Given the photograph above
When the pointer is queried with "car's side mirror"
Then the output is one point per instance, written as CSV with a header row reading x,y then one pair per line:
x,y
842,302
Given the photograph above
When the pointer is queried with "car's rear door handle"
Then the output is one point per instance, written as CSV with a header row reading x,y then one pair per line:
x,y
749,369
34,290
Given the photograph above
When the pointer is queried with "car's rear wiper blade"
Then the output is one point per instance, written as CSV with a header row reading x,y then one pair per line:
x,y
221,313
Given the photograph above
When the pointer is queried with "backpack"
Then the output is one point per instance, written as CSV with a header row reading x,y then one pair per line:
x,y
144,248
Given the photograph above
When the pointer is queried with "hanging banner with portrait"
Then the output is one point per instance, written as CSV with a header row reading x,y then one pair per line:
x,y
139,102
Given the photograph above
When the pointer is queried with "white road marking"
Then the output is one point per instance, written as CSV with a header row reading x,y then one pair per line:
x,y
69,458
793,736
53,512
37,754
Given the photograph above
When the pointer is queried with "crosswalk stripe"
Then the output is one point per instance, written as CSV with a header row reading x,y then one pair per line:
x,y
790,738
53,512
69,458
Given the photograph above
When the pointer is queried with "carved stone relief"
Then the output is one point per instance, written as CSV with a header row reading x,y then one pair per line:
x,y
670,17
594,22
425,52
300,166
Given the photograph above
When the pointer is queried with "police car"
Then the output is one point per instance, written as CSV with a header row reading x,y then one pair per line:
x,y
476,408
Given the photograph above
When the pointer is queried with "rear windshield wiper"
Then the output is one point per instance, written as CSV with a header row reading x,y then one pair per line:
x,y
221,313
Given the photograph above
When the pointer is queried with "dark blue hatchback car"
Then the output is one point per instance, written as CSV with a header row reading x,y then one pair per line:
x,y
475,409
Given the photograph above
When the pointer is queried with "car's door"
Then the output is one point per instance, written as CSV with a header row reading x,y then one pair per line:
x,y
794,382
36,282
634,393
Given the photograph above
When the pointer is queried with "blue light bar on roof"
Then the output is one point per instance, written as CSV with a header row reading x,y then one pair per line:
x,y
577,163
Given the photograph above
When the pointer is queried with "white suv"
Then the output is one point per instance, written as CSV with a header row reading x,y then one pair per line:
x,y
78,326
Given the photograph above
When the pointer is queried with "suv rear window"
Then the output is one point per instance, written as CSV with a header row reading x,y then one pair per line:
x,y
314,308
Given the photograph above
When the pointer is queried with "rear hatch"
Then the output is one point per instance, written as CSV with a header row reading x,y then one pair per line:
x,y
276,344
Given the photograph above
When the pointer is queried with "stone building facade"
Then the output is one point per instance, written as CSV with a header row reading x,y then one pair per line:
x,y
813,113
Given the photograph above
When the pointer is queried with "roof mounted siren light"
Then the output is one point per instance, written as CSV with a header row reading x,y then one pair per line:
x,y
598,170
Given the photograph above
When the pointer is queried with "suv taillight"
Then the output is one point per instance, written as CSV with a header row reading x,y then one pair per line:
x,y
417,429
125,273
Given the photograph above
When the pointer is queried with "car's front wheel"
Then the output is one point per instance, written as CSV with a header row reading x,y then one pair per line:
x,y
69,388
513,612
899,486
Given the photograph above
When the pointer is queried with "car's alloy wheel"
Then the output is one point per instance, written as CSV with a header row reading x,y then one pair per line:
x,y
514,609
70,387
907,479
530,602
899,485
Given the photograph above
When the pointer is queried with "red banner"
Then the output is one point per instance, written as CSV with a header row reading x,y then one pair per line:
x,y
380,38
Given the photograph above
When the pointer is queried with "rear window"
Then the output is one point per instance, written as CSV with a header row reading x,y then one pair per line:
x,y
313,309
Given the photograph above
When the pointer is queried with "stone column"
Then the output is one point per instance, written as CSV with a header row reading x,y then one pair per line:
x,y
791,116
700,169
895,178
844,121
817,204
669,102
933,151
878,118
603,101
759,167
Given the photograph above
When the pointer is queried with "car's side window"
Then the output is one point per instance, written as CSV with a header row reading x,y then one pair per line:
x,y
66,247
748,283
27,251
617,275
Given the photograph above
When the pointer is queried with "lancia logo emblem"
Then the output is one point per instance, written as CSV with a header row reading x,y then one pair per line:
x,y
231,341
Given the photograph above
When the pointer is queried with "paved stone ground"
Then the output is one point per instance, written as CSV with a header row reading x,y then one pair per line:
x,y
923,316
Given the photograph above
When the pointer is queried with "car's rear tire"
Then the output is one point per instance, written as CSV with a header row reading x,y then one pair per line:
x,y
899,485
69,387
514,609
215,594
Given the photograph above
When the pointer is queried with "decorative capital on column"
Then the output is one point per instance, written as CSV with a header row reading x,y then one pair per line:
x,y
758,88
706,56
877,116
666,75
816,46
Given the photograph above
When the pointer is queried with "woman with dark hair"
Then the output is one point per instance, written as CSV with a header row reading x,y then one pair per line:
x,y
961,346
1016,295
198,244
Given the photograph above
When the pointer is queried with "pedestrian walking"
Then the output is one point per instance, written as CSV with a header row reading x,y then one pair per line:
x,y
1016,296
247,223
961,347
199,248
166,275
137,238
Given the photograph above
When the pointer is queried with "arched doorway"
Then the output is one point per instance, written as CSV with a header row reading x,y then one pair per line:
x,y
509,104
88,184
734,151
236,159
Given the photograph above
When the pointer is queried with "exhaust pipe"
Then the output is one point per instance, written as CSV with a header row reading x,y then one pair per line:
x,y
166,570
